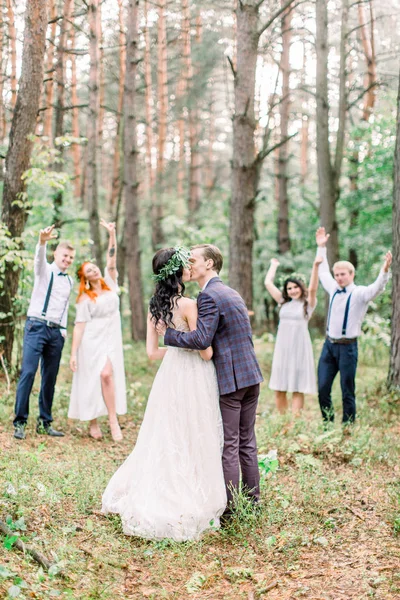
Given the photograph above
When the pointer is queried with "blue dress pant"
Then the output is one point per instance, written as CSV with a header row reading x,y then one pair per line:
x,y
44,344
336,358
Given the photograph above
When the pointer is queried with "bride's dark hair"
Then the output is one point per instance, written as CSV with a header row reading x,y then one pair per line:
x,y
167,291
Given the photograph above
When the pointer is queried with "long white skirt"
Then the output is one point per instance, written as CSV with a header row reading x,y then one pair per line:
x,y
172,484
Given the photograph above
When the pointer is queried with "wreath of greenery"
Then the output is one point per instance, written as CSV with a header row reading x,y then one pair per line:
x,y
178,260
299,276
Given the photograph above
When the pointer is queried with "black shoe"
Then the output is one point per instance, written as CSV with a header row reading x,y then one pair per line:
x,y
19,432
46,429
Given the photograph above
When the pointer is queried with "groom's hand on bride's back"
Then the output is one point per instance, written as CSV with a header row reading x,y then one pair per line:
x,y
161,328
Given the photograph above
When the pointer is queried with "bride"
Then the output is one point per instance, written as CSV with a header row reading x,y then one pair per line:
x,y
172,484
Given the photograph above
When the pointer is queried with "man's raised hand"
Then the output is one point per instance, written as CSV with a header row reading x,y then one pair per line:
x,y
109,226
47,234
388,261
321,237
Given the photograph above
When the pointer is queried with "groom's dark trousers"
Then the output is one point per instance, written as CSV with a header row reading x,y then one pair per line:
x,y
224,324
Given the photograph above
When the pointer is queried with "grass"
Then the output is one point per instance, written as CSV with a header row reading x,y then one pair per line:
x,y
329,527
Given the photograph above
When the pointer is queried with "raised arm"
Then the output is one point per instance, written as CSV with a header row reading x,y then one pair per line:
x,y
207,324
269,281
112,249
328,282
40,263
370,292
190,314
154,351
313,285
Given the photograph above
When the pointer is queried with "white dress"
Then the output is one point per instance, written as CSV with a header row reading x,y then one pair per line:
x,y
172,484
102,339
293,367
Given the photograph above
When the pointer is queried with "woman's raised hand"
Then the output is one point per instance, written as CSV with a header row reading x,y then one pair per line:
x,y
275,262
110,226
318,260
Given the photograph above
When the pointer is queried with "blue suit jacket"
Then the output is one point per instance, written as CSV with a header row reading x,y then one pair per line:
x,y
224,324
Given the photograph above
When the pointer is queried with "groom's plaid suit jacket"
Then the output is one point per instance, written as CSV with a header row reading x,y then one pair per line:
x,y
224,324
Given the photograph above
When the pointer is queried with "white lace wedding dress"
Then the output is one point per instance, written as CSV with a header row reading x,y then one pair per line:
x,y
172,485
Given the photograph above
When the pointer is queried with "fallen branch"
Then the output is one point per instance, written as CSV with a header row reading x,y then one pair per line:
x,y
356,513
107,561
3,364
37,556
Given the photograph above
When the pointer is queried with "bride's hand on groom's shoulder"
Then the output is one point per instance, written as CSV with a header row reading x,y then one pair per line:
x,y
161,328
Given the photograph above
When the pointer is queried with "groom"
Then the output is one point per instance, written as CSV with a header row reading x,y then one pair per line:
x,y
224,324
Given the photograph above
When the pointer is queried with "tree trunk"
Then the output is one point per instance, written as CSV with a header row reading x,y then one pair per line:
x,y
49,76
14,209
13,51
283,178
93,130
244,168
131,234
194,134
116,169
326,178
393,380
162,109
2,111
368,43
76,149
60,102
304,124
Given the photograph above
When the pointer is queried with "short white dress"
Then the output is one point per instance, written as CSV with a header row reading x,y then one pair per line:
x,y
102,339
172,484
293,367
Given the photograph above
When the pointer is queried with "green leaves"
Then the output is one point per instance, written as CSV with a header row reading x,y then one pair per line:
x,y
9,541
268,463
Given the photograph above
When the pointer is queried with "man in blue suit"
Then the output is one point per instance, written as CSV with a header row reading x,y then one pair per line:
x,y
224,324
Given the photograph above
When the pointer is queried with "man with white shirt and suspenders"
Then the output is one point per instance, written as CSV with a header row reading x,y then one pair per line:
x,y
45,332
347,307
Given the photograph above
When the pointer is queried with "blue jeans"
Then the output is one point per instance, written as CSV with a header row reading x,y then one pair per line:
x,y
45,344
336,358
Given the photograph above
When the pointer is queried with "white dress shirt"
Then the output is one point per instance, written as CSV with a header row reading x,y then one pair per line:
x,y
361,295
57,309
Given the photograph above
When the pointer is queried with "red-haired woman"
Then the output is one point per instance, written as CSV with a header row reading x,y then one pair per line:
x,y
98,385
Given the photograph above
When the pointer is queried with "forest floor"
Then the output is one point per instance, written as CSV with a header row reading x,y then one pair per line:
x,y
329,528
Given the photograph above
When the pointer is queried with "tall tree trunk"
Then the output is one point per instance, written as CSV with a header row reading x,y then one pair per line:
x,y
101,156
209,175
131,234
93,130
162,109
60,101
304,124
194,136
116,169
326,177
283,178
244,168
76,149
49,75
14,214
393,380
368,43
2,111
13,51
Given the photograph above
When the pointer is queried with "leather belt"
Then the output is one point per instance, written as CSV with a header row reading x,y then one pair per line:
x,y
344,341
48,323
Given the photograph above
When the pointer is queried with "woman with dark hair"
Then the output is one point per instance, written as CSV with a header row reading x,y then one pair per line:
x,y
293,362
97,360
172,484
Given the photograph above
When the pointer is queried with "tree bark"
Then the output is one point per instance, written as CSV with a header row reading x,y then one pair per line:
x,y
2,38
116,169
49,76
393,380
283,178
76,149
162,109
131,233
93,131
14,209
13,51
244,168
195,167
329,173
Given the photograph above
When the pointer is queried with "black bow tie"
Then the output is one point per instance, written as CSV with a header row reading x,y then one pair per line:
x,y
63,274
343,291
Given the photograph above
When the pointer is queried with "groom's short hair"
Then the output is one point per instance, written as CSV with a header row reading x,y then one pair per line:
x,y
211,252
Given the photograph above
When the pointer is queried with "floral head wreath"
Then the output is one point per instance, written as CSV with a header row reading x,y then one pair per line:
x,y
178,260
298,276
